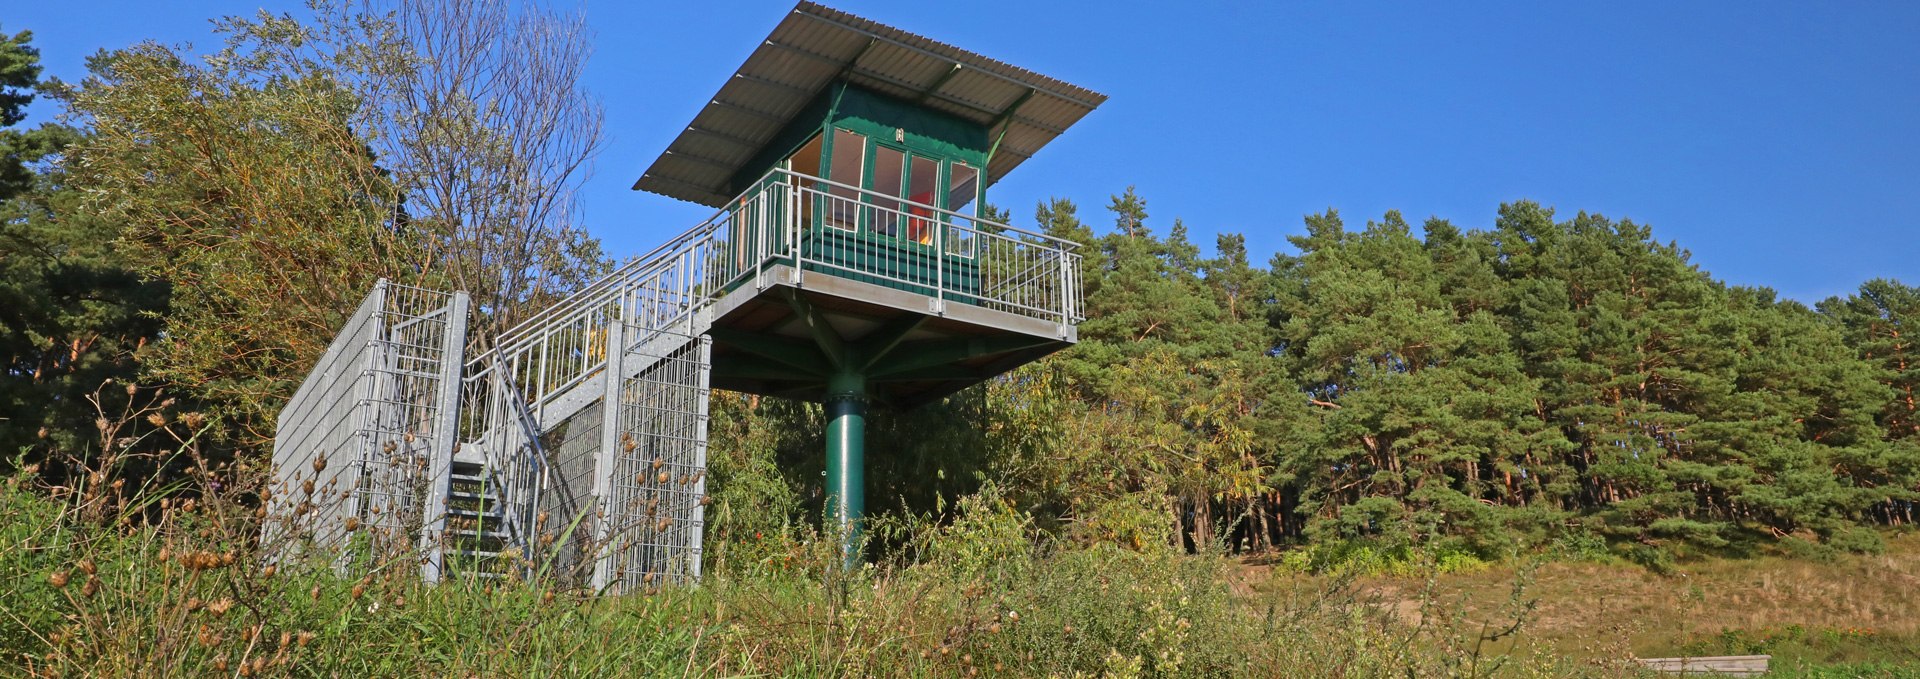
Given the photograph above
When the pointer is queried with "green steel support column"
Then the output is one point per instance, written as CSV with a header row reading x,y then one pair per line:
x,y
846,458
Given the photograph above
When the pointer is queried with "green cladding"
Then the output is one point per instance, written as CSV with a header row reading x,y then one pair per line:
x,y
921,130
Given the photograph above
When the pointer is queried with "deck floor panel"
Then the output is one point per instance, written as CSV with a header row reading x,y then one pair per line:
x,y
857,309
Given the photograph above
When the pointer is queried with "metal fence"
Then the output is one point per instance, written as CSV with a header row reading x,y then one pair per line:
x,y
367,439
656,509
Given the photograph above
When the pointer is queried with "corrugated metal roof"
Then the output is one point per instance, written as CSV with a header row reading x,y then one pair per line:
x,y
816,45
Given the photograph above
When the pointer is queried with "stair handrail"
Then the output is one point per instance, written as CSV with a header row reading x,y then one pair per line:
x,y
614,278
512,514
606,296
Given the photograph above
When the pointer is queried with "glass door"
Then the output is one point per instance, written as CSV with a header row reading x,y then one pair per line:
x,y
923,181
963,197
845,162
889,178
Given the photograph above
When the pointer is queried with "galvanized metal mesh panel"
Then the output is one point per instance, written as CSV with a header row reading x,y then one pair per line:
x,y
568,521
352,448
321,423
656,508
400,415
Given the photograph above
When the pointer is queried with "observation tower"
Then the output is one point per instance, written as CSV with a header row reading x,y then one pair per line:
x,y
846,263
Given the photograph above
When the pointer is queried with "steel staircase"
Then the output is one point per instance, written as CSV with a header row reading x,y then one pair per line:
x,y
575,447
623,361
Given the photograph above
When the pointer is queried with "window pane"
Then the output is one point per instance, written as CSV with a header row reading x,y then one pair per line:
x,y
964,187
849,156
889,166
805,161
922,182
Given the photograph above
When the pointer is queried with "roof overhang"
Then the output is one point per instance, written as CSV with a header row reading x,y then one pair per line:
x,y
813,47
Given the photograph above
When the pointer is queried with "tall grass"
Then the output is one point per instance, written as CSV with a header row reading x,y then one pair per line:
x,y
100,578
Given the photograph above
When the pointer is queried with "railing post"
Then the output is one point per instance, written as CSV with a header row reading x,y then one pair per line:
x,y
940,229
604,484
766,205
705,381
446,435
796,251
1066,291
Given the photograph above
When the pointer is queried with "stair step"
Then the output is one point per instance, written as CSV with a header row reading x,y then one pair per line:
x,y
477,533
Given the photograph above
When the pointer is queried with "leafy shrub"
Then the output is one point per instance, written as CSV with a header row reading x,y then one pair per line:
x,y
1378,557
1857,539
1651,557
1807,550
1579,545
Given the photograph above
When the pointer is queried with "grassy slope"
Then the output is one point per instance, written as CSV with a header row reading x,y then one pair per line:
x,y
1853,610
81,594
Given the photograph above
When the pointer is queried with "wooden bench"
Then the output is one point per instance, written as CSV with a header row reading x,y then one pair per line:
x,y
1727,665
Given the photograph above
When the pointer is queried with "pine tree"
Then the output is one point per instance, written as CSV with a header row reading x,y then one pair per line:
x,y
1880,322
73,315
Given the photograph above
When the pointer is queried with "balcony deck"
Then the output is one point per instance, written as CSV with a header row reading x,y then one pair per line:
x,y
923,301
799,276
765,341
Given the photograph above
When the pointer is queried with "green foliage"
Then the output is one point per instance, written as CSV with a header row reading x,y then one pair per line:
x,y
19,80
1569,386
238,182
755,507
73,313
1375,557
212,218
1857,539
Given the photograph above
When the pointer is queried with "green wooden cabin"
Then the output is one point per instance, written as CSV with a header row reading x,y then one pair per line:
x,y
901,186
848,161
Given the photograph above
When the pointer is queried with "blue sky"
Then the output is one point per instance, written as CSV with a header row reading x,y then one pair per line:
x,y
1779,142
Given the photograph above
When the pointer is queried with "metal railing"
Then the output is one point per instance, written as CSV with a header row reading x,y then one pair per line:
x,y
811,224
949,256
505,438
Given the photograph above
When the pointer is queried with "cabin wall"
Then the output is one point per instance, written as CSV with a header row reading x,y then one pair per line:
x,y
920,130
925,131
